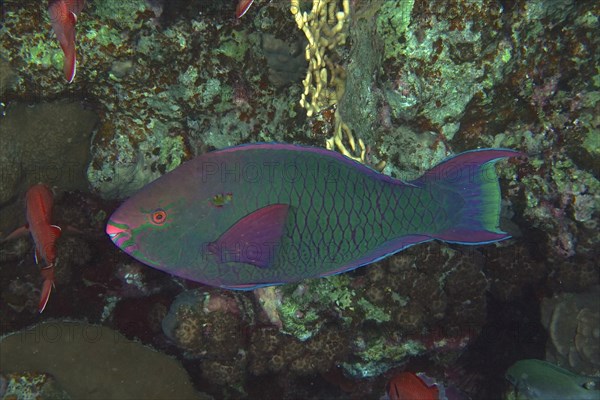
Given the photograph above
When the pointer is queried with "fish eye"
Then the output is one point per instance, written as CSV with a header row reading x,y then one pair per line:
x,y
158,216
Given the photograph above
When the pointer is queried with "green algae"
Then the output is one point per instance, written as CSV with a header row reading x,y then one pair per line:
x,y
122,13
303,306
104,36
32,386
379,354
236,45
302,325
392,22
44,54
209,90
372,312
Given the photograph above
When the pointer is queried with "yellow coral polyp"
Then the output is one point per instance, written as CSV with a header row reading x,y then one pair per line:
x,y
324,28
325,82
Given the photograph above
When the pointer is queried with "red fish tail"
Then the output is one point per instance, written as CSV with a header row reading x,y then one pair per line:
x,y
242,7
45,296
48,275
70,63
63,21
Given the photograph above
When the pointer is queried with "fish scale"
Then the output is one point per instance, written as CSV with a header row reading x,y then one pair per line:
x,y
268,214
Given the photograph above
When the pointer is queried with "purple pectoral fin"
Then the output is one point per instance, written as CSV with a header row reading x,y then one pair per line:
x,y
253,239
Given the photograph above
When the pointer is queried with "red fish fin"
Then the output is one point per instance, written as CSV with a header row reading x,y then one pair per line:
x,y
70,62
56,231
17,233
408,385
46,289
63,24
37,256
254,238
242,7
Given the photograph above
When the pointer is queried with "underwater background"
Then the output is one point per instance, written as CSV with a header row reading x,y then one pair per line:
x,y
399,85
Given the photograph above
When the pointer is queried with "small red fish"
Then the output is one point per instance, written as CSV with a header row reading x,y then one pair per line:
x,y
63,16
408,386
242,7
39,201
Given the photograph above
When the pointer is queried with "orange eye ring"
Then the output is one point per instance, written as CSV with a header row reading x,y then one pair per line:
x,y
158,216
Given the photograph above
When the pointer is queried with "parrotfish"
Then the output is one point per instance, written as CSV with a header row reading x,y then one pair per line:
x,y
63,16
536,379
39,202
267,214
242,7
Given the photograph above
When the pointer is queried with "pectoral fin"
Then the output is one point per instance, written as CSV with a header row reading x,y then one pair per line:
x,y
254,238
17,233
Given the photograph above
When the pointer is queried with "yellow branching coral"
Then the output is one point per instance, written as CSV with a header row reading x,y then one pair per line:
x,y
341,129
325,28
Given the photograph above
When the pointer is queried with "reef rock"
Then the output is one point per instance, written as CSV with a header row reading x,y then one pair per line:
x,y
573,324
31,385
46,142
95,362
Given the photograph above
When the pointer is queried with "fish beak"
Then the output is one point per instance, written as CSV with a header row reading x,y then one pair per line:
x,y
119,234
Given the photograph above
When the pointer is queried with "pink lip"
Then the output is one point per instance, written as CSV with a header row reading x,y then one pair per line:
x,y
118,233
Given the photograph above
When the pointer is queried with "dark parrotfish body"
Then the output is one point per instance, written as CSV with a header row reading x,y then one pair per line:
x,y
267,214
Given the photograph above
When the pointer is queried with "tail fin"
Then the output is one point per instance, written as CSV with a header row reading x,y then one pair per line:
x,y
45,295
472,175
48,275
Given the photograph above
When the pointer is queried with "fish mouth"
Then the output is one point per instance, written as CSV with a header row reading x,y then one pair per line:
x,y
120,234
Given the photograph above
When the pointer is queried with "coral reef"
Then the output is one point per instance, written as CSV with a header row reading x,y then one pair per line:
x,y
270,352
325,29
537,379
21,296
443,62
204,99
95,362
46,142
572,321
206,324
421,80
410,296
210,326
31,385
